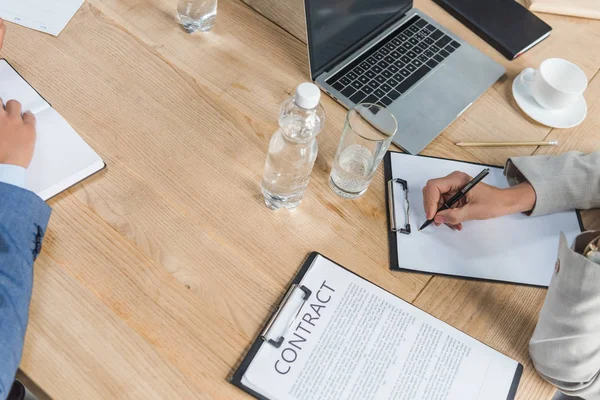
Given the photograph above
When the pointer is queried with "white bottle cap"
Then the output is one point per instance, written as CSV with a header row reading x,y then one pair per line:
x,y
307,95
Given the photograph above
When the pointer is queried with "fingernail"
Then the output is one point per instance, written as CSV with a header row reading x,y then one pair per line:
x,y
439,219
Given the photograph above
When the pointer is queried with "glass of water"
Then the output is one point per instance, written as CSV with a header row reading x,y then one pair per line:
x,y
197,15
367,135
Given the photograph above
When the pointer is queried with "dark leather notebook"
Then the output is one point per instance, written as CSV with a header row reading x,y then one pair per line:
x,y
505,24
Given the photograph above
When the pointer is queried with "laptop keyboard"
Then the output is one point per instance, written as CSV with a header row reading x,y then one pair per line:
x,y
395,64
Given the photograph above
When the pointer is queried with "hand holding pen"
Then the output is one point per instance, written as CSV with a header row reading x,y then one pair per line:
x,y
481,202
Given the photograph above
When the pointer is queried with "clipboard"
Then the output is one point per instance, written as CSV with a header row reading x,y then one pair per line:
x,y
392,186
236,377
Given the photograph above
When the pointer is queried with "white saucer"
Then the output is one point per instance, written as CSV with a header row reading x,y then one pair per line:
x,y
567,118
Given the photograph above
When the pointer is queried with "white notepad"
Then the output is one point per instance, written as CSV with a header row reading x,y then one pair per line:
x,y
514,248
49,16
339,336
61,157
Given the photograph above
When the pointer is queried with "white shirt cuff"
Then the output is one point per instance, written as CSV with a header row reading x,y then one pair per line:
x,y
12,175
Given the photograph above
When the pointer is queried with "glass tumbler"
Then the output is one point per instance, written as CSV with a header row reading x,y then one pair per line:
x,y
197,15
367,135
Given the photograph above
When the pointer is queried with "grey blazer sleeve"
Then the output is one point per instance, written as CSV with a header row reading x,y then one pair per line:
x,y
569,181
23,220
565,347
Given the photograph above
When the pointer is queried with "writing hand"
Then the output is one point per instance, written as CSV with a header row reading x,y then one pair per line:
x,y
482,202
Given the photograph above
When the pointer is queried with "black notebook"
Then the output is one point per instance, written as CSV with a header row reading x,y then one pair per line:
x,y
505,24
61,157
336,336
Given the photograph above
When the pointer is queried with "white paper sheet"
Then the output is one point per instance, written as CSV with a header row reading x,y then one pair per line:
x,y
354,341
50,16
515,248
61,157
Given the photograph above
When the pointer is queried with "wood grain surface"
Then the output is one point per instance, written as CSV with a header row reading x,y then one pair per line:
x,y
158,272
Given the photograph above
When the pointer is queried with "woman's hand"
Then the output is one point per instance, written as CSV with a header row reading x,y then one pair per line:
x,y
482,202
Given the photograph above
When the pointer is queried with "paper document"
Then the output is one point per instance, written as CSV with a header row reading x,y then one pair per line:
x,y
50,16
578,8
352,340
61,157
515,248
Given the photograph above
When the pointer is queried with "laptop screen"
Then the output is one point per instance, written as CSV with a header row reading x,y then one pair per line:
x,y
335,26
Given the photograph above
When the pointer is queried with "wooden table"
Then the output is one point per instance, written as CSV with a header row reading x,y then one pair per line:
x,y
158,272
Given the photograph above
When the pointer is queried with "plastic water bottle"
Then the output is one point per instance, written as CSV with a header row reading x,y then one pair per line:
x,y
293,148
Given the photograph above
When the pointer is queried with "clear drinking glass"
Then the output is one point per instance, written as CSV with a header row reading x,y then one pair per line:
x,y
367,135
197,15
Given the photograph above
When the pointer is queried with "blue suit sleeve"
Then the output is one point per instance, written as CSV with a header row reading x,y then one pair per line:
x,y
23,220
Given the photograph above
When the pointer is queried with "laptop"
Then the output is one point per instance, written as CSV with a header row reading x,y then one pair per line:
x,y
389,53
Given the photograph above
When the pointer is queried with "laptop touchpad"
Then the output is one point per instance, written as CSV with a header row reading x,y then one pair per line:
x,y
431,105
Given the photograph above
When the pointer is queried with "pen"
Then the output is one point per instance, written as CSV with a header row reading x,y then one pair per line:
x,y
459,195
507,144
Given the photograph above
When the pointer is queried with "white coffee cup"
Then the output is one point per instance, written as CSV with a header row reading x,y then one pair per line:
x,y
557,84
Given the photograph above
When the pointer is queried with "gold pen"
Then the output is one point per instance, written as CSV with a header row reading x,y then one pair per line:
x,y
506,144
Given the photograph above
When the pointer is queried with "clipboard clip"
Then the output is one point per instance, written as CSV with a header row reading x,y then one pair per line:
x,y
392,206
306,293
